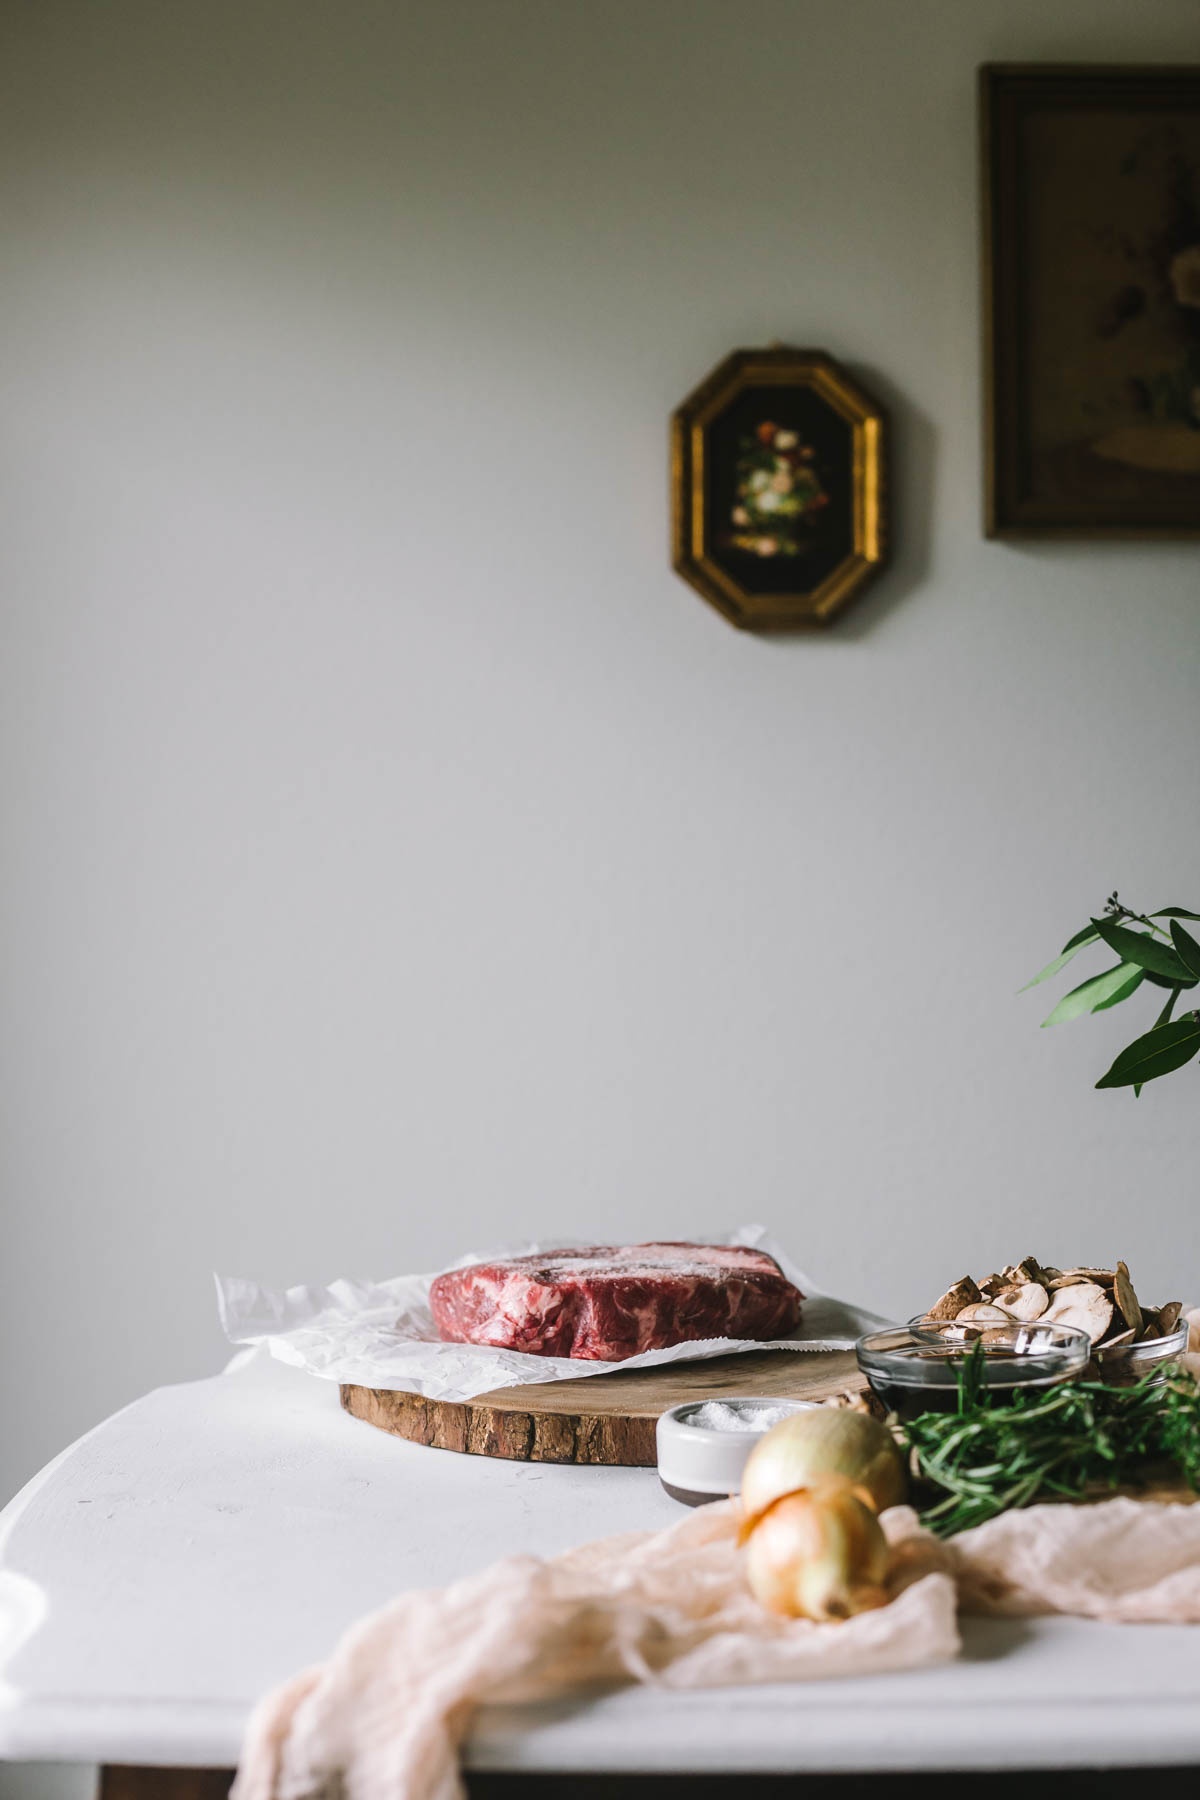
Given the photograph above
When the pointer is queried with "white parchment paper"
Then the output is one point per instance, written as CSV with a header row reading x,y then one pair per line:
x,y
381,1333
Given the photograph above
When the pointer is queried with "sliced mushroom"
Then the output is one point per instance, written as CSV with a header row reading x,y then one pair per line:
x,y
993,1284
982,1313
999,1337
1027,1301
1168,1317
1127,1300
1121,1337
1084,1305
1102,1277
959,1334
963,1293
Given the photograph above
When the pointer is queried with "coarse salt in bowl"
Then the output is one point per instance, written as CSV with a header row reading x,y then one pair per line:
x,y
704,1445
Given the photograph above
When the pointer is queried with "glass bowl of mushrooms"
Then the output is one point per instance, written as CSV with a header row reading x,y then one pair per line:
x,y
1127,1339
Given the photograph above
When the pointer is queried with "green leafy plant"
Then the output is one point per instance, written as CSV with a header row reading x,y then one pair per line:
x,y
1075,1441
1165,955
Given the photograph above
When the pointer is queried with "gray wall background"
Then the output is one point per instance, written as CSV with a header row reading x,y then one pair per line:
x,y
397,855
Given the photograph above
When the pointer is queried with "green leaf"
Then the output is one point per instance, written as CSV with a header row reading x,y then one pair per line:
x,y
1161,1050
1188,948
1162,1019
1087,936
1174,912
1101,991
1171,981
1169,1008
1139,947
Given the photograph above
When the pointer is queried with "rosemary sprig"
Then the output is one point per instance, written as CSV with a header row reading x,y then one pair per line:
x,y
1071,1442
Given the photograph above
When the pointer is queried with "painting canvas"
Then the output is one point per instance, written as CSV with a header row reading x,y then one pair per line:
x,y
1092,279
781,517
778,488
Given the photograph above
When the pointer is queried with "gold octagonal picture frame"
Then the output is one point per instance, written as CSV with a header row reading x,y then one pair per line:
x,y
779,488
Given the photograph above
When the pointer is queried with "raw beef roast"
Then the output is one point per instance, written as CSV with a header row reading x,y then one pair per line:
x,y
607,1302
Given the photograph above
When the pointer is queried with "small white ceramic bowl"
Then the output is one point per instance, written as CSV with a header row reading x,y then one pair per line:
x,y
696,1463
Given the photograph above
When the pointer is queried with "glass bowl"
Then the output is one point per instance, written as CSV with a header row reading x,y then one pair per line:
x,y
915,1368
1121,1365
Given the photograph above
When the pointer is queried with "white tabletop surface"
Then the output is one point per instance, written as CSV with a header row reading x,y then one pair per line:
x,y
214,1538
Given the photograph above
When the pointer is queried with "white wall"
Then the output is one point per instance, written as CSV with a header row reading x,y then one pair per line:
x,y
397,855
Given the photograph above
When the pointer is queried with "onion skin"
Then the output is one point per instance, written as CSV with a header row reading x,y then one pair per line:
x,y
826,1441
819,1553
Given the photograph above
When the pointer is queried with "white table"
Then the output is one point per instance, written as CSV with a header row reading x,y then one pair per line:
x,y
213,1538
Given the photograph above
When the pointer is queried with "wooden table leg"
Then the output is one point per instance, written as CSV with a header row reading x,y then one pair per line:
x,y
118,1782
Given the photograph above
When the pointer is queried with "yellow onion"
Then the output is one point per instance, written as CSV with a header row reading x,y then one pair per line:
x,y
829,1440
819,1553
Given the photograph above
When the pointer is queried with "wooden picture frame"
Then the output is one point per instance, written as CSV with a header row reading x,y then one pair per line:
x,y
1091,276
778,484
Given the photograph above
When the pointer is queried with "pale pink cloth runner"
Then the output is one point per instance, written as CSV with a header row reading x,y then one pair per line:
x,y
383,1718
1122,1560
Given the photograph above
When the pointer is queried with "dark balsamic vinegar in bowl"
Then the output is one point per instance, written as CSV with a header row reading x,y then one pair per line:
x,y
916,1368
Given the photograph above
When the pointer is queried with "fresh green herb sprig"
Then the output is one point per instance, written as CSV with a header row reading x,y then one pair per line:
x,y
1069,1443
1165,955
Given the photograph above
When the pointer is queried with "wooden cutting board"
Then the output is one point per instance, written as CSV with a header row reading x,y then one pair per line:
x,y
598,1418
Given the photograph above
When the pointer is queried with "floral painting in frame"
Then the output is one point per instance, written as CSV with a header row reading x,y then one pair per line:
x,y
778,488
1092,299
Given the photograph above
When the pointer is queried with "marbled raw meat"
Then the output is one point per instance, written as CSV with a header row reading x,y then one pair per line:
x,y
609,1302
